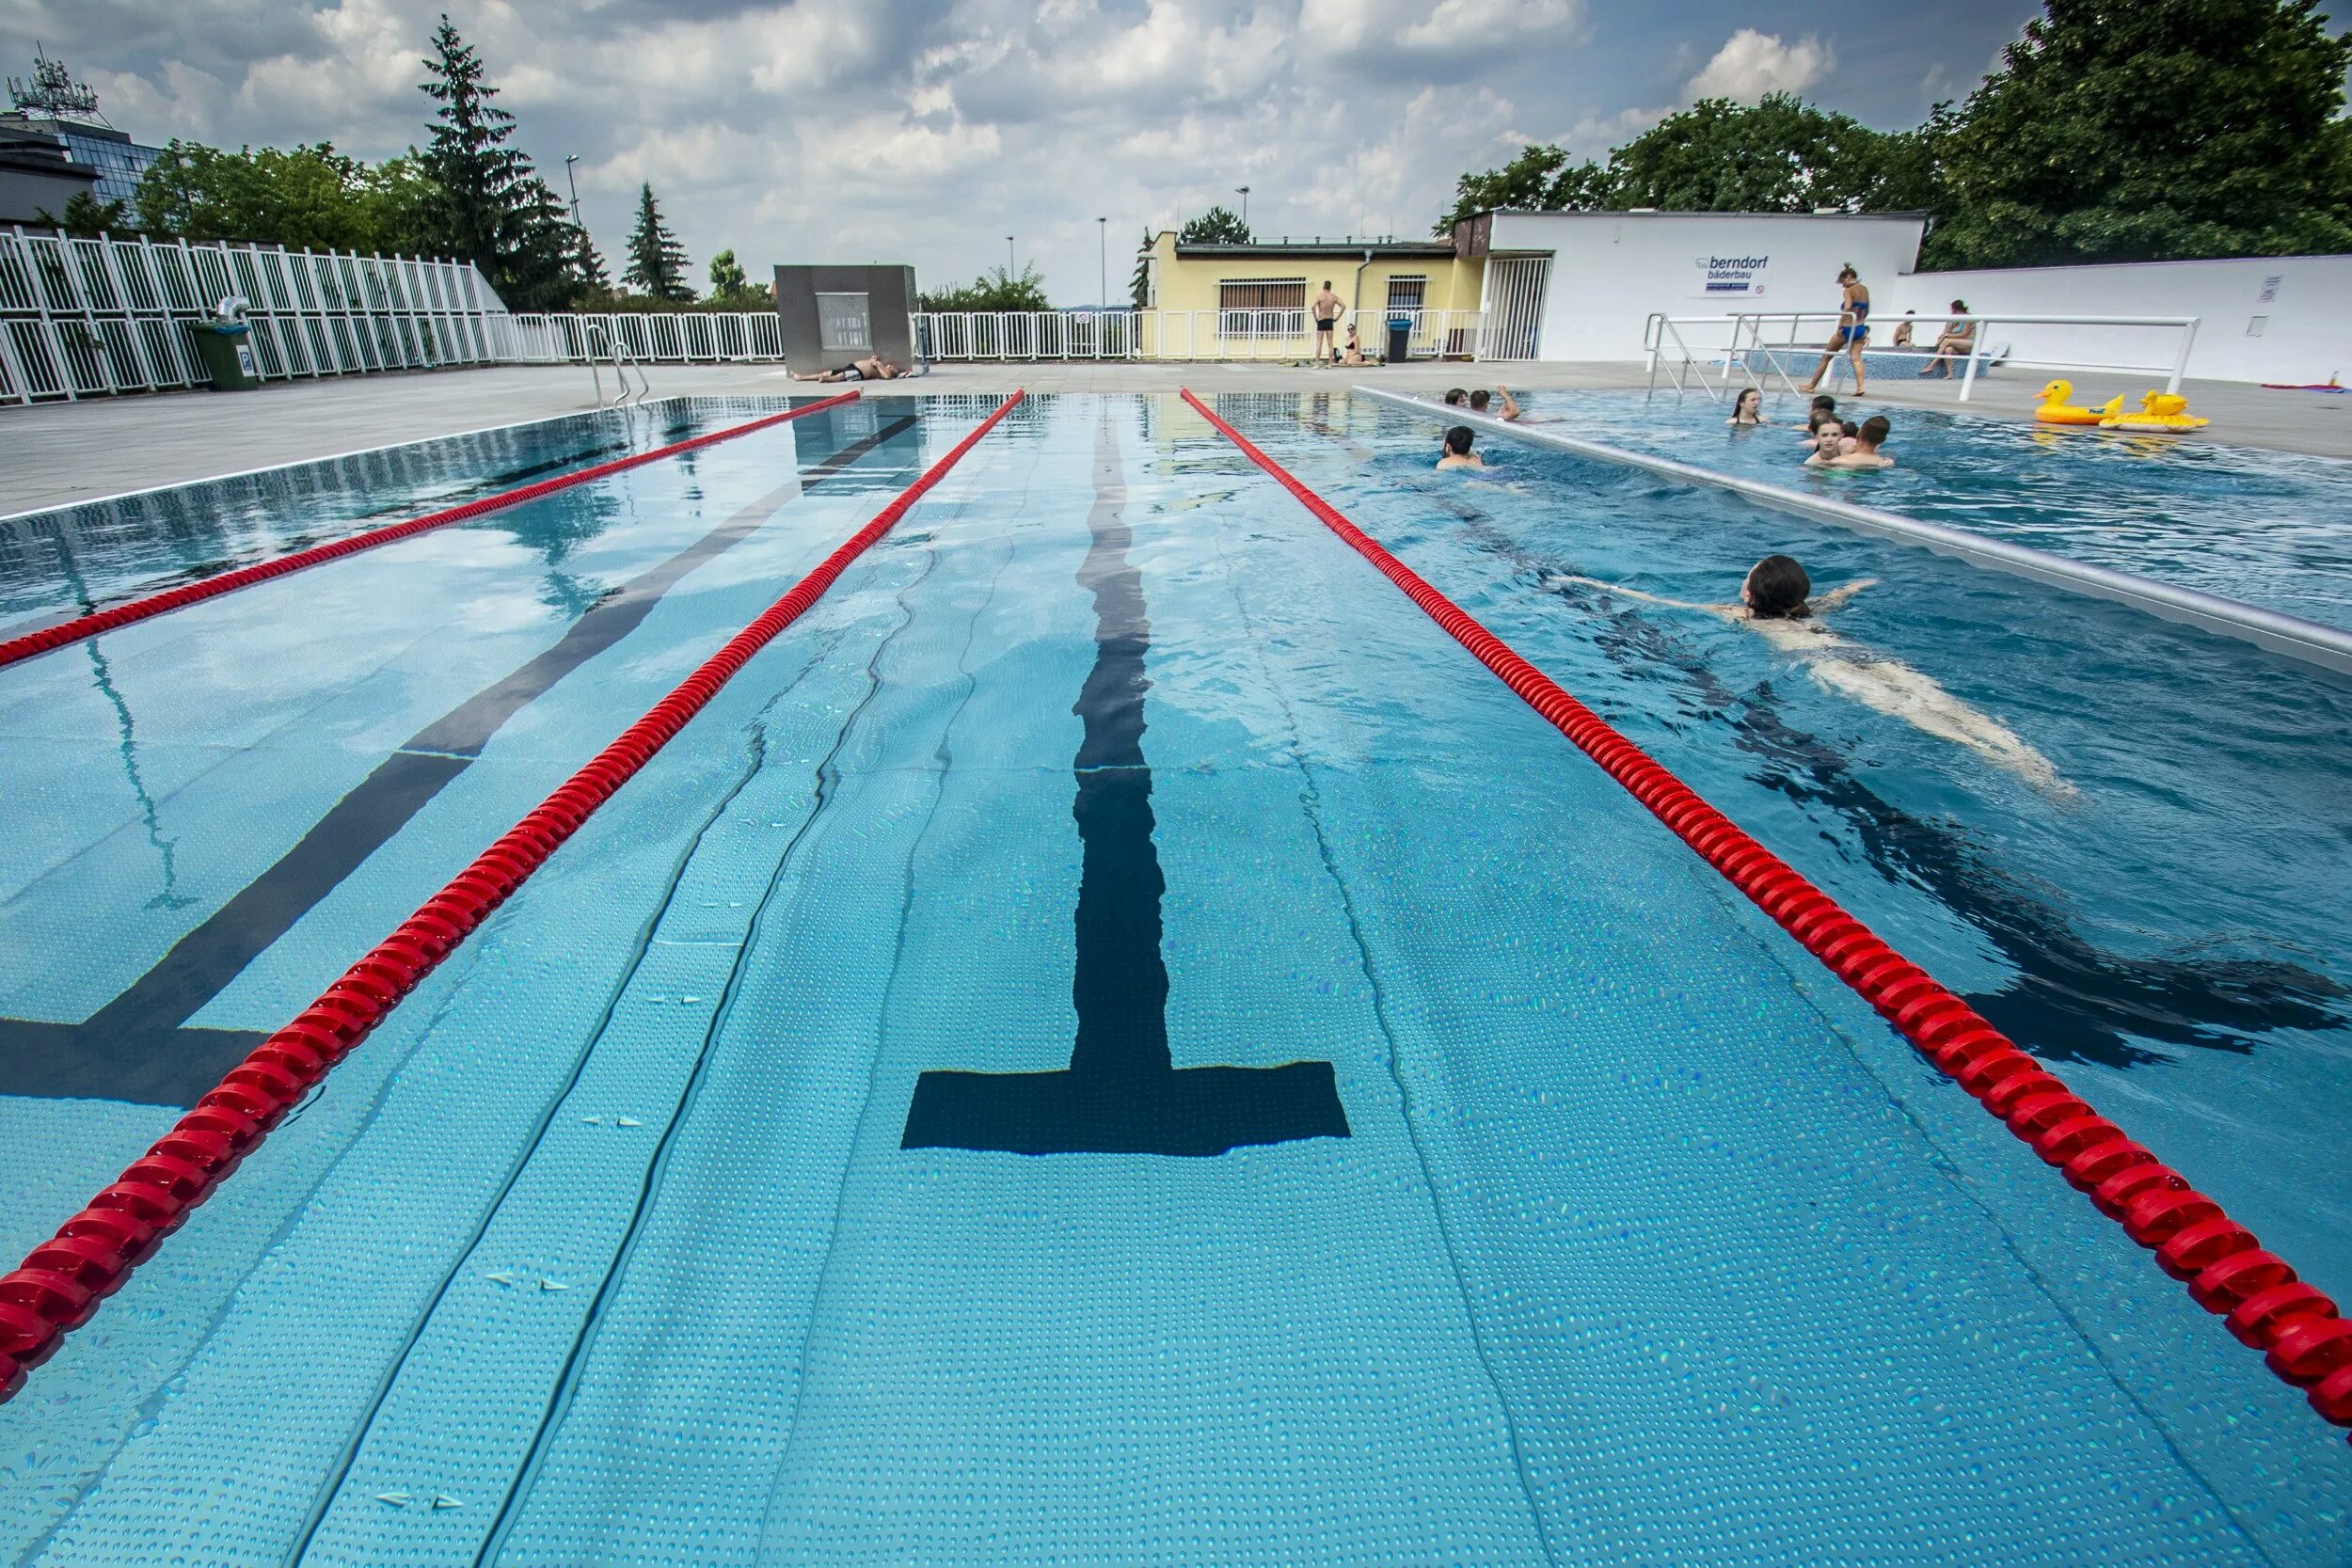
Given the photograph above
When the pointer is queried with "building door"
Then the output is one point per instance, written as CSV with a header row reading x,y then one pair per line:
x,y
1512,298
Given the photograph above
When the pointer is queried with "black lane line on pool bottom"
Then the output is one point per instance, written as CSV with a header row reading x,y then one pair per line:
x,y
138,1046
1121,1093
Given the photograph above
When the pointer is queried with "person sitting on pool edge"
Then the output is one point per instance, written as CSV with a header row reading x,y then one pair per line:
x,y
1777,602
1865,451
1354,354
1457,453
872,368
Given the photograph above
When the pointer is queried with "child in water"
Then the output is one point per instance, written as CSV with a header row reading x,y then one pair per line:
x,y
1748,408
1859,450
1776,602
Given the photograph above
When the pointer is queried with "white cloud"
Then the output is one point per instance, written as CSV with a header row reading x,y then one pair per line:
x,y
1751,64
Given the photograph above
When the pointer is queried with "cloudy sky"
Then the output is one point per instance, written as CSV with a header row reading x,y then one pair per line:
x,y
888,130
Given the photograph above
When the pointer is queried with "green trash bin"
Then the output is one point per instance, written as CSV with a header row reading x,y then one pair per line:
x,y
226,349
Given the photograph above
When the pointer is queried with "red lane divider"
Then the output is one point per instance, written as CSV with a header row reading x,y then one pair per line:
x,y
17,648
2305,1339
62,1281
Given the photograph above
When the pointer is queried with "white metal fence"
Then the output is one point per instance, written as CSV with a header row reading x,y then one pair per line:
x,y
81,317
677,338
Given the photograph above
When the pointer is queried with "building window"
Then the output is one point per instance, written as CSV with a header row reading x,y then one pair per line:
x,y
1406,293
842,323
1272,293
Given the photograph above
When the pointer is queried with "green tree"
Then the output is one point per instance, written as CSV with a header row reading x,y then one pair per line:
x,y
1000,290
1140,286
1215,227
493,208
657,262
2153,130
310,197
731,287
1539,180
1778,155
85,217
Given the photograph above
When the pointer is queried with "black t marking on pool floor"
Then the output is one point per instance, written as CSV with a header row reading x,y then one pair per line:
x,y
1121,1093
140,1047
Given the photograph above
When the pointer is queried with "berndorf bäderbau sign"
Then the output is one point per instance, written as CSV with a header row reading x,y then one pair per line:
x,y
1732,275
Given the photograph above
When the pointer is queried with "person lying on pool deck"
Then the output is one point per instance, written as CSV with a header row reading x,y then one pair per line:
x,y
1776,602
1861,453
872,368
1457,453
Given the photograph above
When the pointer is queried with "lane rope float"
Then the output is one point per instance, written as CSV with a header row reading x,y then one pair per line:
x,y
2267,1306
62,1281
16,649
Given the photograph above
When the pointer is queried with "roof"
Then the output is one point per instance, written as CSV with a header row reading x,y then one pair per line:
x,y
1336,249
1679,213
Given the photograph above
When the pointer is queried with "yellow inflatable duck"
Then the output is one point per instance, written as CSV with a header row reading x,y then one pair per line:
x,y
2157,411
2054,409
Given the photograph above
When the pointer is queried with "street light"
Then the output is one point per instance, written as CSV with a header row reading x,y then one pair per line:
x,y
1243,191
1103,258
569,159
1009,256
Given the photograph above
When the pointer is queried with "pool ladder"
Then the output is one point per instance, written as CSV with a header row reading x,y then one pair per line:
x,y
623,363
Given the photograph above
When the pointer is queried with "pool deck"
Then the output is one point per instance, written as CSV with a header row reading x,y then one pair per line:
x,y
57,453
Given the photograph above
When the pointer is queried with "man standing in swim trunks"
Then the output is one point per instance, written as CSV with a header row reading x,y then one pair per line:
x,y
1854,329
1327,308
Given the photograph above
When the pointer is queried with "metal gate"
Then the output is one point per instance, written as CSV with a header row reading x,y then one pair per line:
x,y
1512,303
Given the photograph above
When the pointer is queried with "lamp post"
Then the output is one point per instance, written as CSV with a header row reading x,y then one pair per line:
x,y
1103,260
1009,256
569,159
1243,191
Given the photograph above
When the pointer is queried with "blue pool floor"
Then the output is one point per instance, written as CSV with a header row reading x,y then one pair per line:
x,y
1640,1241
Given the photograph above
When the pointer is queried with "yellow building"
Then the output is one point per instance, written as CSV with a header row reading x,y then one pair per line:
x,y
1223,301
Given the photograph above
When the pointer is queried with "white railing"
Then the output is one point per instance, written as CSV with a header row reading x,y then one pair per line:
x,y
82,317
1025,334
1747,347
669,336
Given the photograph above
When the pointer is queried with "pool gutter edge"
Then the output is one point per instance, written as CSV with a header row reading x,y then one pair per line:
x,y
2309,642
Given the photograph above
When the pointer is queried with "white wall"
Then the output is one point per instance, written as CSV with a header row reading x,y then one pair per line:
x,y
2306,335
1611,269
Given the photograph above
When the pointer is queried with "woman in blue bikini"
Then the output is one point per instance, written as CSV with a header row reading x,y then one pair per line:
x,y
1853,330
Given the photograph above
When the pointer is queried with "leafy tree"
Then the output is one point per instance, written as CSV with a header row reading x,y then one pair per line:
x,y
85,217
732,287
2153,130
1539,180
1778,155
999,290
1215,226
493,208
298,197
657,262
1140,286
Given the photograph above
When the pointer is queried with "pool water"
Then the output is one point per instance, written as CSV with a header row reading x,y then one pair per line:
x,y
2270,529
1113,1040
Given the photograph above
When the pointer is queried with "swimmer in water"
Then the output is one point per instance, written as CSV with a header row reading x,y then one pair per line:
x,y
1457,453
1456,398
1860,449
1748,408
1776,603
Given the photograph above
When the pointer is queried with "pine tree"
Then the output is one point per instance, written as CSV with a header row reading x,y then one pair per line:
x,y
1140,286
657,262
588,265
491,207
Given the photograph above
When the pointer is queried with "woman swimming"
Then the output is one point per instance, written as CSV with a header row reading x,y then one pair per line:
x,y
1748,408
1776,602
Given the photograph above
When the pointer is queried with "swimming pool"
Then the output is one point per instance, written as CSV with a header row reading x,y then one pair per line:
x,y
1444,1166
2272,529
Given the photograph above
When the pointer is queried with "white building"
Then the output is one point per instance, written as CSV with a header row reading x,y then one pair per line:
x,y
1582,285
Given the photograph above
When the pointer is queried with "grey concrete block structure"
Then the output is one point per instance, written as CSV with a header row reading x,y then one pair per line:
x,y
831,315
